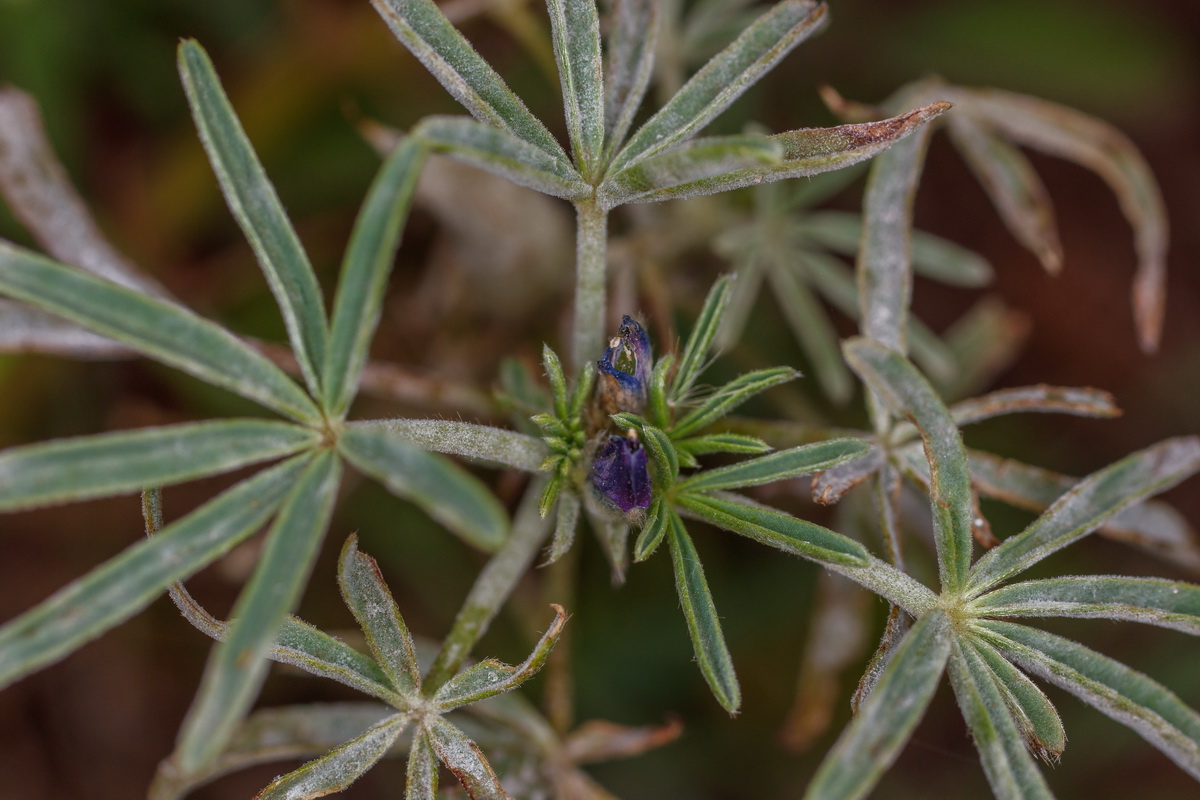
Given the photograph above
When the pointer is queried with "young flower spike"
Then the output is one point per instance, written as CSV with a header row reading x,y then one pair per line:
x,y
625,370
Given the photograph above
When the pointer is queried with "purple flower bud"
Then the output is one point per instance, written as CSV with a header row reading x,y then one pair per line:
x,y
625,370
620,473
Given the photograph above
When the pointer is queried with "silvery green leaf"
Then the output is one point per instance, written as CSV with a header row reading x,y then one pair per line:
x,y
658,518
874,737
105,464
238,664
814,332
258,211
730,396
1010,769
159,329
126,584
932,256
811,151
630,54
424,30
1170,604
340,767
909,395
492,677
502,153
704,626
694,161
464,758
723,79
1096,145
369,600
1151,525
696,350
1016,191
1086,507
421,781
1033,713
775,529
483,442
776,466
365,269
1150,709
441,488
275,734
894,632
575,28
41,197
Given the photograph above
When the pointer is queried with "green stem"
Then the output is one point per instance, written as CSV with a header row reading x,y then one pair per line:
x,y
493,586
591,272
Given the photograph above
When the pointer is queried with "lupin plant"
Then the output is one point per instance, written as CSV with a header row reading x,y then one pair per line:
x,y
625,435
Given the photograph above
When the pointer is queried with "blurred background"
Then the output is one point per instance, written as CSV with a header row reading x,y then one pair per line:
x,y
303,75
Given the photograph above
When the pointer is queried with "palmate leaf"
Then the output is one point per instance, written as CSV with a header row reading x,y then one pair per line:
x,y
124,585
1146,706
729,397
1010,769
340,767
910,395
257,209
365,268
723,79
238,664
114,463
883,724
161,330
424,30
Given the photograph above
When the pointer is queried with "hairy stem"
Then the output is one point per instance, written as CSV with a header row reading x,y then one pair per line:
x,y
591,271
493,586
